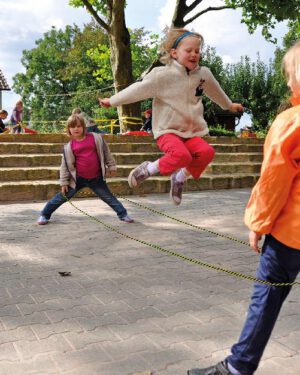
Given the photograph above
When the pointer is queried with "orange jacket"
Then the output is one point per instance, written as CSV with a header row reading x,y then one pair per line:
x,y
274,204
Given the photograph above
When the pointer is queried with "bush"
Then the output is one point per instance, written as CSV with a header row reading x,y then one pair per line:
x,y
219,131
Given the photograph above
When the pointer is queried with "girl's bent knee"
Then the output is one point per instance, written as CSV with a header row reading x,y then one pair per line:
x,y
183,158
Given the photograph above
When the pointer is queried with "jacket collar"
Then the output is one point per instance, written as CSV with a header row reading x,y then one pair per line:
x,y
295,100
183,68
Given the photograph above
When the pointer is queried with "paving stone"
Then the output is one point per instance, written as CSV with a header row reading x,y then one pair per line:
x,y
43,331
54,343
128,308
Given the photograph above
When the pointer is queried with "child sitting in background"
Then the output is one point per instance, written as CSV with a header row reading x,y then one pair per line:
x,y
147,127
3,116
17,117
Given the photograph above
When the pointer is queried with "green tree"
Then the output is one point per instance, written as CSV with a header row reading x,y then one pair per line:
x,y
81,69
44,78
110,15
265,13
144,47
71,68
247,82
279,84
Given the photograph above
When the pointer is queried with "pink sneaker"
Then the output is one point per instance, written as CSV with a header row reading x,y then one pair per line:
x,y
176,189
138,175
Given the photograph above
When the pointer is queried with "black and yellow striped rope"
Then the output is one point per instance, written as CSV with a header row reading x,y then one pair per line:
x,y
182,256
185,222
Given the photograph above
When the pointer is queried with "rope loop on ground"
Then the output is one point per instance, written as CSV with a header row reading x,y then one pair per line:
x,y
179,255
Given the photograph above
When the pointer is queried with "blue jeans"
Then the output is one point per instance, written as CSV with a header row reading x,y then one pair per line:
x,y
99,187
278,263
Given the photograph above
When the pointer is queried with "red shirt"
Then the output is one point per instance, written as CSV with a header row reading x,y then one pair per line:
x,y
87,161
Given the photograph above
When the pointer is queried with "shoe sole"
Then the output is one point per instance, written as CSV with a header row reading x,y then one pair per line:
x,y
173,200
131,180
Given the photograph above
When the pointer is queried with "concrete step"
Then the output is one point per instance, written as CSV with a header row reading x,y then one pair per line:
x,y
52,173
35,160
29,173
63,138
29,165
45,189
47,148
32,160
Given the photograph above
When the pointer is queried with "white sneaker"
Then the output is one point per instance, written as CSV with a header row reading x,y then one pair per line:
x,y
127,219
42,220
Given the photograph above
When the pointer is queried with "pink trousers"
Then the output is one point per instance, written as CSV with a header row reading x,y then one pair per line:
x,y
192,153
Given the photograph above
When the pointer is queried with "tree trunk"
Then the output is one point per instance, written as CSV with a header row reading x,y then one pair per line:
x,y
121,62
179,13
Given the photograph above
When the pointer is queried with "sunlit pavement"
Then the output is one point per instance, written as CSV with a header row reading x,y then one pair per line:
x,y
127,307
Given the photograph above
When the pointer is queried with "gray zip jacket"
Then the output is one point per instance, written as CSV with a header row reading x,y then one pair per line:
x,y
68,170
177,98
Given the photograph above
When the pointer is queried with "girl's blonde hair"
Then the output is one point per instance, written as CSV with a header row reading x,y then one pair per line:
x,y
291,63
169,42
73,120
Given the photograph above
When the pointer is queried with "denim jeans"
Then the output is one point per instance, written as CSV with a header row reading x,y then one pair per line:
x,y
99,187
278,264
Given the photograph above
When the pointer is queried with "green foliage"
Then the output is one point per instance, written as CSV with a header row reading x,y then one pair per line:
x,y
100,6
144,47
279,82
266,13
56,69
254,84
219,131
71,68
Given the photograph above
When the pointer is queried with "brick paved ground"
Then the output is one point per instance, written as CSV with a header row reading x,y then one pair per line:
x,y
128,308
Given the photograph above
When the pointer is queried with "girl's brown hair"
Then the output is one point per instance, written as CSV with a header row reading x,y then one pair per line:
x,y
168,43
73,120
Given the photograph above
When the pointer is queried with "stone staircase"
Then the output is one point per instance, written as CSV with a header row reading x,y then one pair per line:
x,y
29,165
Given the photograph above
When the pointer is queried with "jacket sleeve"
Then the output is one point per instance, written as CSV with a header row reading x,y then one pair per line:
x,y
65,175
280,166
137,91
109,160
213,90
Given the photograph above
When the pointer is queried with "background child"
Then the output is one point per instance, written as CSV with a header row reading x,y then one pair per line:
x,y
85,163
178,123
17,117
273,210
91,125
3,116
147,126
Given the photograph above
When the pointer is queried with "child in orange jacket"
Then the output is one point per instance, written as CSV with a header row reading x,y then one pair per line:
x,y
274,211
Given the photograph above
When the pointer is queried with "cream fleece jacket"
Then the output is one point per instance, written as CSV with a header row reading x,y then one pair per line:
x,y
176,107
68,169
